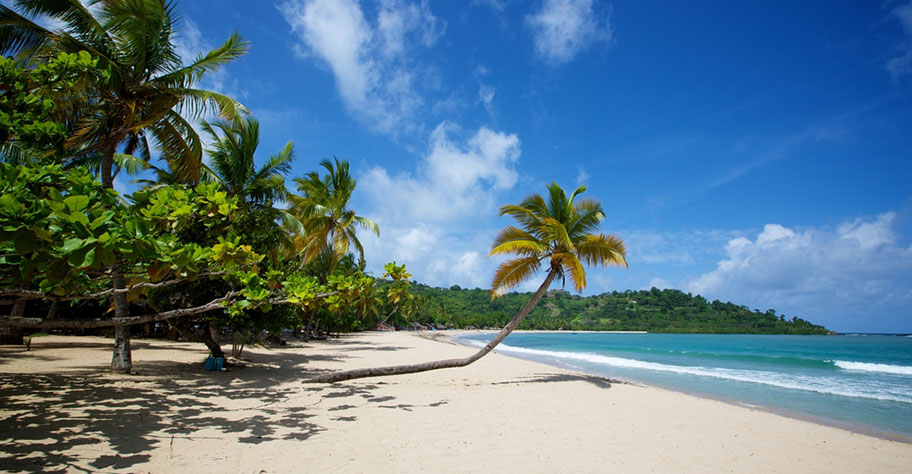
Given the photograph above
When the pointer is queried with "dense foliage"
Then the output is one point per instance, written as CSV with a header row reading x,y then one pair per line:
x,y
646,310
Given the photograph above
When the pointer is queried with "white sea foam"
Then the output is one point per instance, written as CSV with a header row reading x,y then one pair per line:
x,y
826,385
869,367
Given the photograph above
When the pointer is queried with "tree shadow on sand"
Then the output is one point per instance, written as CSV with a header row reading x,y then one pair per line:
x,y
44,418
600,382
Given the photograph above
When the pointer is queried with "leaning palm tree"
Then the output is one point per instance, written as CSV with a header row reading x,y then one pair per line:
x,y
148,90
328,227
555,234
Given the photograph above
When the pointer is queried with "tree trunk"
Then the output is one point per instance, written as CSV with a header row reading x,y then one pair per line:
x,y
15,335
205,336
390,315
122,359
308,328
442,364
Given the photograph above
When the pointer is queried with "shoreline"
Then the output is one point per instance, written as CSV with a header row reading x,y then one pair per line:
x,y
849,426
500,413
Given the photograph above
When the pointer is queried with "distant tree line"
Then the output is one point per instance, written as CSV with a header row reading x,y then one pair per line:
x,y
654,310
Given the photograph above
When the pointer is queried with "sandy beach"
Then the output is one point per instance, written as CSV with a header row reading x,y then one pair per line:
x,y
60,411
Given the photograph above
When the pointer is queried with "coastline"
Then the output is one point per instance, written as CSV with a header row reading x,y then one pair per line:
x,y
866,430
62,410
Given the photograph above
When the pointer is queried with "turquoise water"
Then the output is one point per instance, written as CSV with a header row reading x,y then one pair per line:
x,y
859,382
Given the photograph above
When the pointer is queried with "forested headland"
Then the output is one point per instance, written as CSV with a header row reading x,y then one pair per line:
x,y
654,310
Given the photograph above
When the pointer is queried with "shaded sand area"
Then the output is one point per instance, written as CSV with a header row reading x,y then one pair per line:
x,y
61,412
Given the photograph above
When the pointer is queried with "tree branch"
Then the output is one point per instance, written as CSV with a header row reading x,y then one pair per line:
x,y
38,323
33,295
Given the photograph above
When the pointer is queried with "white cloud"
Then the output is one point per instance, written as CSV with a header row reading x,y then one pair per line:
x,y
398,19
469,267
486,92
414,243
486,98
563,28
582,178
374,75
658,283
857,269
901,64
454,180
441,218
496,5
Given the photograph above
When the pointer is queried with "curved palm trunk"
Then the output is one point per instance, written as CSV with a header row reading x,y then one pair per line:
x,y
390,315
122,357
447,363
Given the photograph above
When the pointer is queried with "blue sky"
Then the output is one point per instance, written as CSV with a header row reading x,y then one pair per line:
x,y
758,154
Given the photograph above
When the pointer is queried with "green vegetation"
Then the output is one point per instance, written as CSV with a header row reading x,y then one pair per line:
x,y
203,250
647,310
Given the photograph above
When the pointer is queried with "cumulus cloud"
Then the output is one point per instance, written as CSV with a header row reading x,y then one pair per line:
x,y
859,268
423,215
582,178
563,28
468,268
659,283
901,64
454,180
374,75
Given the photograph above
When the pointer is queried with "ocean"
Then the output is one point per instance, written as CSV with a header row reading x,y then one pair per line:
x,y
858,382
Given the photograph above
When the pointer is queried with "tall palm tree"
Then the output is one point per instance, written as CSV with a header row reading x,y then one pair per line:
x,y
149,89
232,163
557,232
144,98
328,227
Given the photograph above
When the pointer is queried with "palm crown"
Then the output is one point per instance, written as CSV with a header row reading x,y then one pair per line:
x,y
232,157
559,229
149,88
329,225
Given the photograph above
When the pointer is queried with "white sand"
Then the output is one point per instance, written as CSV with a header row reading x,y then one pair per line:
x,y
61,412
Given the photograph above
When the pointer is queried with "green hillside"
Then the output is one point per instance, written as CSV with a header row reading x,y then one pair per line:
x,y
649,310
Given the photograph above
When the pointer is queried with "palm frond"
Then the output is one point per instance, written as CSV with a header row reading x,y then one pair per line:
x,y
586,216
186,76
573,267
180,147
19,34
557,235
368,224
512,240
196,103
132,164
513,272
602,250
